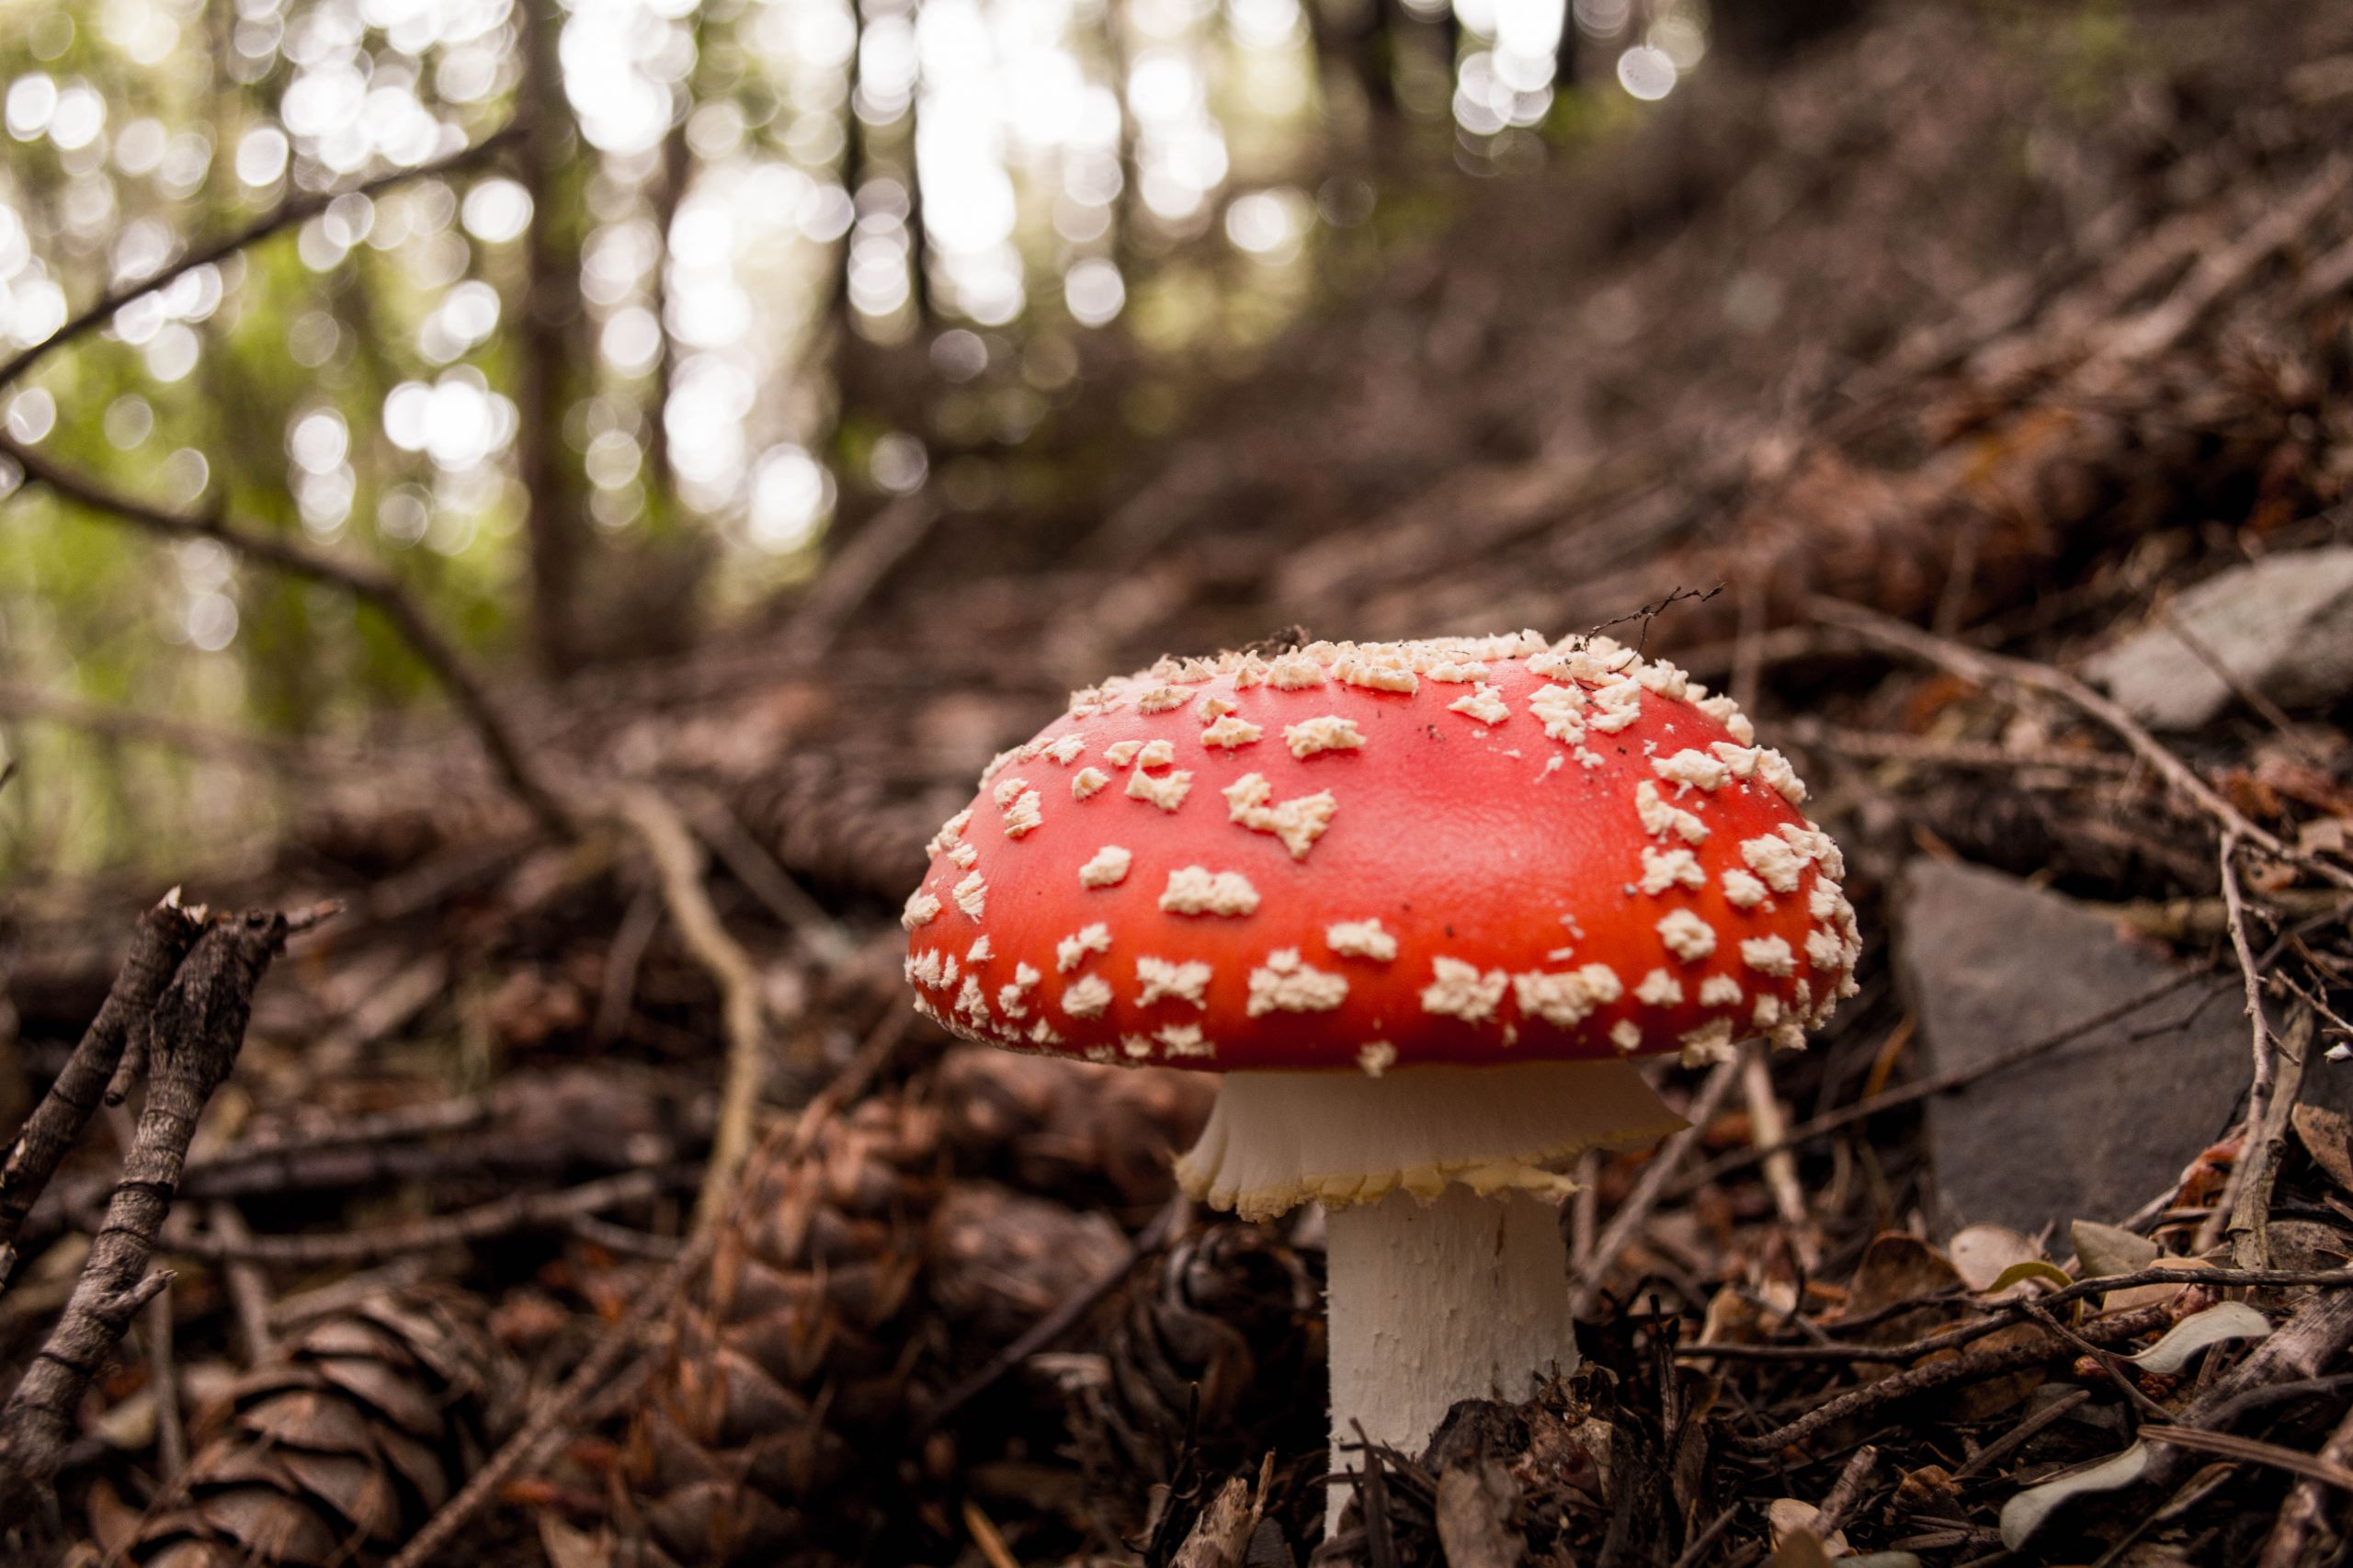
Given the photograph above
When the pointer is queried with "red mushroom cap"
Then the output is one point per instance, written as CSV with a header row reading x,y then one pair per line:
x,y
1461,851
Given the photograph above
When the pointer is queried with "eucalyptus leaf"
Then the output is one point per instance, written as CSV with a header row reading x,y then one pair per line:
x,y
2222,1322
2108,1250
1980,1254
2025,1514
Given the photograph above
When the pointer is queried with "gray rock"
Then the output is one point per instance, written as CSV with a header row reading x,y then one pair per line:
x,y
2283,626
2093,1130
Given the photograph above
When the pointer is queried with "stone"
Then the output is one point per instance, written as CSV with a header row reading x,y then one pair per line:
x,y
2097,1128
2282,626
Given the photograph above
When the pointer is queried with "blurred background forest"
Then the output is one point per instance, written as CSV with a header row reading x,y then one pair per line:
x,y
601,328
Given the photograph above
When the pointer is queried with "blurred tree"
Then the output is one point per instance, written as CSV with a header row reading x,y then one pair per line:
x,y
744,272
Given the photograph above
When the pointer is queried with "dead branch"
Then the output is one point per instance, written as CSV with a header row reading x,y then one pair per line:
x,y
718,825
159,943
198,1030
516,767
677,861
301,210
2252,1450
555,1415
2003,1314
248,1291
1769,1128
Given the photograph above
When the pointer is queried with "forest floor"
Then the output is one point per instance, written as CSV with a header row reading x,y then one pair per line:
x,y
1990,402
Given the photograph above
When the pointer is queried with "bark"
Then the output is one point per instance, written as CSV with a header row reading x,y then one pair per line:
x,y
556,524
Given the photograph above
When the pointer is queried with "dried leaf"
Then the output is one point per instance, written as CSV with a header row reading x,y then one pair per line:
x,y
2106,1250
1980,1254
2150,1295
2327,1137
2025,1514
2222,1322
1896,1268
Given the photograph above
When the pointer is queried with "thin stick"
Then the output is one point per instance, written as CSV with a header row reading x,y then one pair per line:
x,y
159,943
385,592
1974,1367
1944,1082
1975,665
2246,1196
858,569
716,825
1636,1212
301,210
248,1291
500,1217
164,1382
1769,1128
677,861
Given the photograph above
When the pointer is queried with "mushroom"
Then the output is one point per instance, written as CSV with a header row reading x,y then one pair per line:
x,y
1421,902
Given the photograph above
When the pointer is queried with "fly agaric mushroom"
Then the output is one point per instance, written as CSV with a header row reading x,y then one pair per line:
x,y
1422,902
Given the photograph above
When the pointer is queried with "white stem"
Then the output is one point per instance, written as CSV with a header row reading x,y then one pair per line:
x,y
1463,1298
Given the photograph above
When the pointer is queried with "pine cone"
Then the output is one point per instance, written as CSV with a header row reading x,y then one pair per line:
x,y
857,1282
788,1354
1216,1356
341,1446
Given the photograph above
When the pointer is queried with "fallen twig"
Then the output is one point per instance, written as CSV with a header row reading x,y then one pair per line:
x,y
1632,1215
504,1216
1944,1082
2277,1073
2254,1451
2003,1314
678,862
1931,1375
